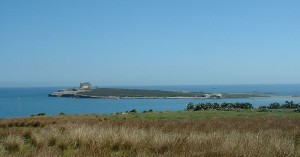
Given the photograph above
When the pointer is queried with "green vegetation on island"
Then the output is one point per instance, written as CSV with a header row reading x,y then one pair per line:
x,y
122,93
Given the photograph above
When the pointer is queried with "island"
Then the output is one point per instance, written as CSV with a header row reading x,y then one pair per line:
x,y
86,91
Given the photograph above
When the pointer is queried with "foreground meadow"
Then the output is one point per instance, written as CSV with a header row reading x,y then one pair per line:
x,y
186,133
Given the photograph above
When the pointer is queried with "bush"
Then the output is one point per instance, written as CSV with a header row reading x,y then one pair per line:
x,y
274,106
190,106
133,111
197,108
147,111
61,114
217,106
289,105
297,110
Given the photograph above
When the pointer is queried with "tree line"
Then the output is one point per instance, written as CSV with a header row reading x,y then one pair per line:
x,y
206,106
285,105
241,105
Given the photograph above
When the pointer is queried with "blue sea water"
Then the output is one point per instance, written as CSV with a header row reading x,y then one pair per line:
x,y
20,102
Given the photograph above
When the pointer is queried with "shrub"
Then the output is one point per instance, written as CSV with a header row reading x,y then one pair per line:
x,y
297,110
61,114
41,114
147,111
190,106
133,111
274,106
197,108
217,106
289,105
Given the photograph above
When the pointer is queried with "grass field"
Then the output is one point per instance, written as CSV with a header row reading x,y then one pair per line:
x,y
185,133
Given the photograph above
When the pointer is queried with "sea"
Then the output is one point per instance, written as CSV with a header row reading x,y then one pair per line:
x,y
22,102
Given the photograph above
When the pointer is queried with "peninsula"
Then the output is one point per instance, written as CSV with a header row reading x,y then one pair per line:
x,y
86,91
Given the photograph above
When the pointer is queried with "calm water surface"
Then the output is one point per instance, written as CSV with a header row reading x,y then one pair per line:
x,y
19,102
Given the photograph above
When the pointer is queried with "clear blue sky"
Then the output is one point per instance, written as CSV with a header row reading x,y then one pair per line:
x,y
154,42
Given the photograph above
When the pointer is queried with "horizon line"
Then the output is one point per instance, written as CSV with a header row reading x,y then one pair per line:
x,y
229,84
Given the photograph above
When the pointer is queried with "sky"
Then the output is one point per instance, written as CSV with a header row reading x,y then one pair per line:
x,y
149,42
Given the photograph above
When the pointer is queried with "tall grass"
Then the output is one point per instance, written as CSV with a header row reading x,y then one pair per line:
x,y
91,135
13,143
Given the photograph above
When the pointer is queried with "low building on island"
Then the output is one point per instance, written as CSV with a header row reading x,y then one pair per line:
x,y
74,92
85,86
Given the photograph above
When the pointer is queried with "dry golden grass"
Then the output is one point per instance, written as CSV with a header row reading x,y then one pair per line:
x,y
99,135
